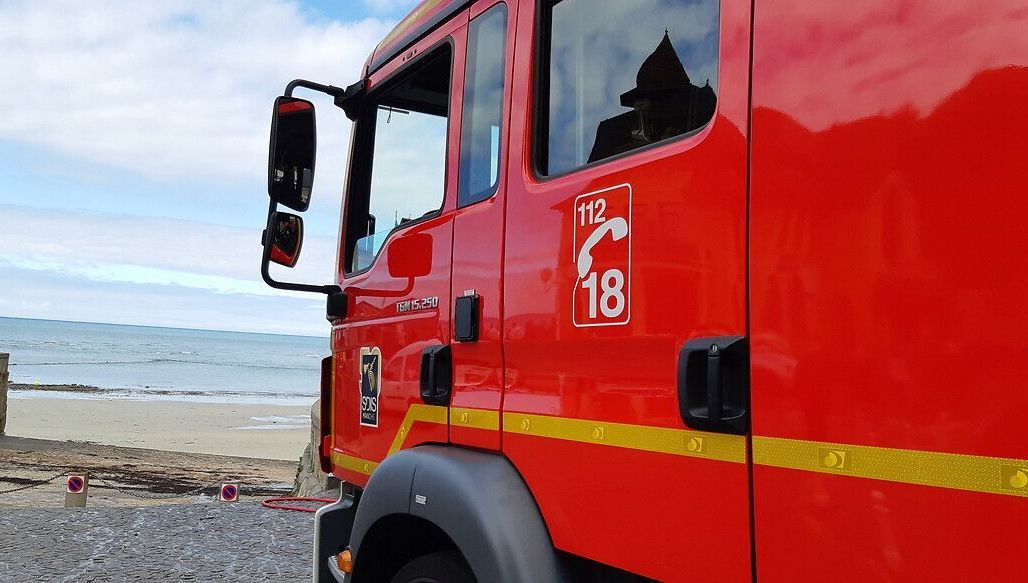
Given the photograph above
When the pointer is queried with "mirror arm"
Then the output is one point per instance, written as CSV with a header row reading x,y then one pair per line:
x,y
327,89
349,99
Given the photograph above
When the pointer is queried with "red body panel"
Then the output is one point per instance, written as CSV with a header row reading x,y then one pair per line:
x,y
854,209
888,277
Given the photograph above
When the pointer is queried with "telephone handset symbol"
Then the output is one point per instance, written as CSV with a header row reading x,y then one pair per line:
x,y
618,229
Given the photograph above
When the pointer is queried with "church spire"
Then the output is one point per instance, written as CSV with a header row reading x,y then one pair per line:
x,y
661,72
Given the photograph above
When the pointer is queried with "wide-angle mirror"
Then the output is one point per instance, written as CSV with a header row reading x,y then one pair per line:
x,y
286,238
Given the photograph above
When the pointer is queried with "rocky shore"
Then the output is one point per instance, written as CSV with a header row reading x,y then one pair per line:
x,y
121,476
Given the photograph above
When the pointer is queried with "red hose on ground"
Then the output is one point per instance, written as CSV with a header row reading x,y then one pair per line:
x,y
273,503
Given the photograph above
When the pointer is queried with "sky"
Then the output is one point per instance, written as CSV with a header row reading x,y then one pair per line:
x,y
133,156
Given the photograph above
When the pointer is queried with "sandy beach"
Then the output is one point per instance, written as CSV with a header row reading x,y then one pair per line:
x,y
278,432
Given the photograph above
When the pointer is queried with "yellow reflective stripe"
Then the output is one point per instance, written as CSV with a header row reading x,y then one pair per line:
x,y
417,412
1005,476
714,446
488,419
353,463
926,468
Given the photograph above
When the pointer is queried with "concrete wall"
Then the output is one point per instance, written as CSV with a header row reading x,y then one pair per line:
x,y
310,481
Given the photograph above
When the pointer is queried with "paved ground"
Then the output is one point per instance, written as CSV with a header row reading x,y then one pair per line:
x,y
187,542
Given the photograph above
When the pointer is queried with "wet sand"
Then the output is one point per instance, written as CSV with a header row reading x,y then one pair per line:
x,y
278,432
121,476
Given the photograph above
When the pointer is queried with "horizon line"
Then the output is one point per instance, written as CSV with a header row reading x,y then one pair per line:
x,y
162,327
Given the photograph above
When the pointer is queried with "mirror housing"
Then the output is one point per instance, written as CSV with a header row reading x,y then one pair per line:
x,y
290,181
286,238
291,153
410,256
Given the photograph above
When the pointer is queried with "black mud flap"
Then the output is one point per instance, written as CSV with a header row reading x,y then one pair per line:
x,y
332,527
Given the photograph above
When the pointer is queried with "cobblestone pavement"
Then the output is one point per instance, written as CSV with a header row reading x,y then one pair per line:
x,y
187,542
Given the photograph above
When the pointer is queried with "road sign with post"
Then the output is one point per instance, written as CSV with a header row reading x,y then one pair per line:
x,y
76,490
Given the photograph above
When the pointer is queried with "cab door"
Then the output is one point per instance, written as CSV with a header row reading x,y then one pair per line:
x,y
477,286
624,265
395,259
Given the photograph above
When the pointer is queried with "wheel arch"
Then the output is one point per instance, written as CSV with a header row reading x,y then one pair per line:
x,y
395,539
477,500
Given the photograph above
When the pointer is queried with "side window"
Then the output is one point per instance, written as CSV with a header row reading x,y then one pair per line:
x,y
621,77
404,129
483,106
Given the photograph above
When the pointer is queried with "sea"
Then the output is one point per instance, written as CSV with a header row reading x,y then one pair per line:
x,y
55,359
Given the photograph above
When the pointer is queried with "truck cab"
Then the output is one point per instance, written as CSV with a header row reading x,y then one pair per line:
x,y
675,290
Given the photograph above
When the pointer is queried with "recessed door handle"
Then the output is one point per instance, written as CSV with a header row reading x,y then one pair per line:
x,y
713,384
436,375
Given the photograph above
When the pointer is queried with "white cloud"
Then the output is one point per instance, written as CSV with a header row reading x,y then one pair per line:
x,y
140,274
179,92
51,295
144,270
78,242
175,89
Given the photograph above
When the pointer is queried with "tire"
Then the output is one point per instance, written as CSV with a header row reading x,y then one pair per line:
x,y
441,567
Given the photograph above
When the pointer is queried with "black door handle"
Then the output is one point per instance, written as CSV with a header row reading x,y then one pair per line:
x,y
436,375
713,384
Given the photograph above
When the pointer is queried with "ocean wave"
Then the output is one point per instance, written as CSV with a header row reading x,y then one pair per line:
x,y
161,360
73,391
249,399
292,419
268,427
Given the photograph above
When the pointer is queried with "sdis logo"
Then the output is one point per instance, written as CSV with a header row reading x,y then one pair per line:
x,y
370,384
603,257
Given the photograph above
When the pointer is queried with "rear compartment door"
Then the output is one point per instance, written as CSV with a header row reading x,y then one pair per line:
x,y
626,240
889,274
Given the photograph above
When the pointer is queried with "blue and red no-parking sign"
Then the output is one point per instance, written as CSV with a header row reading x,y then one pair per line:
x,y
229,493
76,484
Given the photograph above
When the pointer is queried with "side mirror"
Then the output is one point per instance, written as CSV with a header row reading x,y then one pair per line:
x,y
291,153
286,238
410,256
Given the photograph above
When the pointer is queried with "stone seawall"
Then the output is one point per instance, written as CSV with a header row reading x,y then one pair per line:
x,y
310,480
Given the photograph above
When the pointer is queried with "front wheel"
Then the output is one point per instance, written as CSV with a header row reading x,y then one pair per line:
x,y
441,567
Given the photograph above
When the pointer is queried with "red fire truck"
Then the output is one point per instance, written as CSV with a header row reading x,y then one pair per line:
x,y
677,290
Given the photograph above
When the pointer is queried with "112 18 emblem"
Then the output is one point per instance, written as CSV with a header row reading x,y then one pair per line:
x,y
603,257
